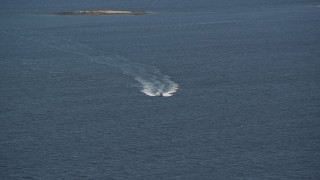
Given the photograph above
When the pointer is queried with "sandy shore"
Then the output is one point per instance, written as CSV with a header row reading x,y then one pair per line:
x,y
99,12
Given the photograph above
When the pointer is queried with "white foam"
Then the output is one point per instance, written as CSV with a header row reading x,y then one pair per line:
x,y
153,82
166,88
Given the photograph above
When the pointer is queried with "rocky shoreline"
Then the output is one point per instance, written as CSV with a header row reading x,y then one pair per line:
x,y
99,12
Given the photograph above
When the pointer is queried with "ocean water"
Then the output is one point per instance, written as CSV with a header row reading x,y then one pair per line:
x,y
80,94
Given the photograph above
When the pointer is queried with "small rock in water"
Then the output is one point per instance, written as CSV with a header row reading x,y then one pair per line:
x,y
99,12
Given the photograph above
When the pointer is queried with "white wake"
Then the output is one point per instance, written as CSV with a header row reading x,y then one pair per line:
x,y
152,81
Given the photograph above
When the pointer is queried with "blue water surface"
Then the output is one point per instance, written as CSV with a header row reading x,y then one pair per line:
x,y
246,104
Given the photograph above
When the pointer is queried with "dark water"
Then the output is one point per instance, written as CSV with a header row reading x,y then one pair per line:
x,y
247,106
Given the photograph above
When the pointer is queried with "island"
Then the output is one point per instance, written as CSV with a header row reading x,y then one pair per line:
x,y
99,12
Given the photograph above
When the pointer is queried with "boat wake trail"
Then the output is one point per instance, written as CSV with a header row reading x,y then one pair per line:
x,y
152,81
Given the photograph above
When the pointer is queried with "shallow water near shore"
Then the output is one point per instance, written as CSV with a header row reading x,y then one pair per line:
x,y
80,94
